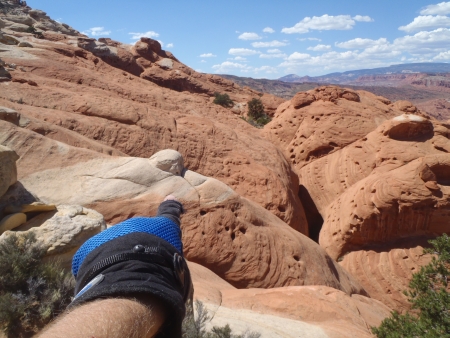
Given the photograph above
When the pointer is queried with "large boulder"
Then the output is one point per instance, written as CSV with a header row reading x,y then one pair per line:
x,y
410,201
63,231
9,115
8,170
239,240
321,121
392,145
389,179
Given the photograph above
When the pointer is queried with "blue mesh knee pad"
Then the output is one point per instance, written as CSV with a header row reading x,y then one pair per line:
x,y
158,226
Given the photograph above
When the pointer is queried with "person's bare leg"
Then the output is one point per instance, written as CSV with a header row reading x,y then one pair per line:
x,y
109,318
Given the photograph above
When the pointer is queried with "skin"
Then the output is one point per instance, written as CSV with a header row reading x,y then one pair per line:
x,y
109,318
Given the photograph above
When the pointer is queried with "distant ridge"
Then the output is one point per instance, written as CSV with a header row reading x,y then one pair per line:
x,y
350,76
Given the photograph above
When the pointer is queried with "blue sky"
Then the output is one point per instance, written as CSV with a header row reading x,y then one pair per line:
x,y
270,39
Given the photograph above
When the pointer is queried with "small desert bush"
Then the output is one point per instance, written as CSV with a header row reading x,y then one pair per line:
x,y
194,327
223,100
429,297
31,292
256,115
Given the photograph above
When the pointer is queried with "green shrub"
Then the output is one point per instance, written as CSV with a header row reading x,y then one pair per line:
x,y
223,100
255,109
256,115
31,292
429,297
195,327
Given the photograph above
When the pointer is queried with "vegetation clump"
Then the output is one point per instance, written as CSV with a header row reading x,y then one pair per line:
x,y
223,100
31,292
256,115
194,327
35,32
429,297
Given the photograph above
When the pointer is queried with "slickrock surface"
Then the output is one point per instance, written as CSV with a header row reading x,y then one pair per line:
x,y
395,179
300,311
89,101
392,145
321,121
410,201
385,273
372,173
237,239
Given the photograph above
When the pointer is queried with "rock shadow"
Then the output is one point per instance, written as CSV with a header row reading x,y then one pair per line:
x,y
314,218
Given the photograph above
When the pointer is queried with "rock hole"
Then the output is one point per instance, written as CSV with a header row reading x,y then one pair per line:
x,y
281,208
442,173
233,236
202,212
243,230
320,152
227,228
297,258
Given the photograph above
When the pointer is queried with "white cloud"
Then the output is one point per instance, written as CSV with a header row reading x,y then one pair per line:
x,y
242,51
360,43
273,50
97,31
169,45
441,8
320,48
426,22
266,69
372,57
272,56
249,36
203,61
208,55
240,58
442,56
362,18
149,34
229,66
268,30
274,43
425,42
299,56
324,22
309,39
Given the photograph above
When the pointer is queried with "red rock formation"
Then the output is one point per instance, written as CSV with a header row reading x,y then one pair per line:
x,y
386,272
321,121
316,311
84,101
